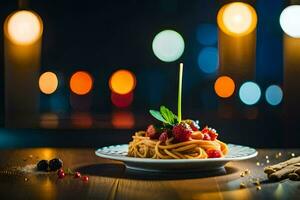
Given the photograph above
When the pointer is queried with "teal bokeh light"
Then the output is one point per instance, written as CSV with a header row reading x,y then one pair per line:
x,y
274,95
249,93
168,45
208,60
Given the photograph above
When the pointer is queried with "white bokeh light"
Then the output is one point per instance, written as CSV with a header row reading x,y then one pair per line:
x,y
290,21
168,45
24,27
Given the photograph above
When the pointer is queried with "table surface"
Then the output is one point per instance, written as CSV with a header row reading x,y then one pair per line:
x,y
110,179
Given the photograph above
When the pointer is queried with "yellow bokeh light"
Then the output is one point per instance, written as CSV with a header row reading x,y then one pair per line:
x,y
122,82
48,82
24,27
237,19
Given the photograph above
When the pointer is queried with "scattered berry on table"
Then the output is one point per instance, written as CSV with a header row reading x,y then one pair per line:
x,y
77,175
61,175
85,178
55,164
42,165
60,171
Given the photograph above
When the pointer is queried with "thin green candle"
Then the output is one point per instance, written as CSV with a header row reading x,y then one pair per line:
x,y
180,91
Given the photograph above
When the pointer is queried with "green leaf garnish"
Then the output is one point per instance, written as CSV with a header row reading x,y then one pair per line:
x,y
156,114
165,115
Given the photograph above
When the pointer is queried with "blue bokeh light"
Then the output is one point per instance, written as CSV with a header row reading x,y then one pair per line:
x,y
274,95
208,60
207,34
249,93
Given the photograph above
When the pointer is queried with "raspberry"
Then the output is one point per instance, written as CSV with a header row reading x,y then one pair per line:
x,y
151,132
194,126
206,136
182,132
213,153
163,137
211,132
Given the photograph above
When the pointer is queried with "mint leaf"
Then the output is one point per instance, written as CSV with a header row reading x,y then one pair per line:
x,y
168,115
156,114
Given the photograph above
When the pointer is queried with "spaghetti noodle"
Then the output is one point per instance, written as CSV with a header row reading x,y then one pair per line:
x,y
142,146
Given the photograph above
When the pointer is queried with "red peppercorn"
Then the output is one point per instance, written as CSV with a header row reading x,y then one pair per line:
x,y
85,178
77,175
61,175
59,171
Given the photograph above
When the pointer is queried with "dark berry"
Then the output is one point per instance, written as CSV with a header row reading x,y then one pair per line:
x,y
85,178
77,175
182,132
163,137
42,165
55,164
61,175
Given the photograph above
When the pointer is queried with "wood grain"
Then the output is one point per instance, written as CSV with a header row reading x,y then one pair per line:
x,y
111,180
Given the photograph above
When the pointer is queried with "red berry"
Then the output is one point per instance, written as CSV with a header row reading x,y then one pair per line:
x,y
213,153
213,135
61,175
85,178
206,136
163,137
205,130
151,131
59,171
182,132
77,175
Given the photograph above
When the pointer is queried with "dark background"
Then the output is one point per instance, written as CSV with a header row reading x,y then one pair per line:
x,y
103,36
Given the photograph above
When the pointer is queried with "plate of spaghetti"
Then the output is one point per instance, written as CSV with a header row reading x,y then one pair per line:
x,y
175,145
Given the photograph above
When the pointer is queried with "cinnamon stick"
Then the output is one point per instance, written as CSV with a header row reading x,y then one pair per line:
x,y
273,168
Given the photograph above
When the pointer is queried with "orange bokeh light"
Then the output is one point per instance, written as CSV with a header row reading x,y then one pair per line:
x,y
122,82
224,86
122,120
81,83
48,82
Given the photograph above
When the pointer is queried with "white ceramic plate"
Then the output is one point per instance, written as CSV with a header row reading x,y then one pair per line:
x,y
119,153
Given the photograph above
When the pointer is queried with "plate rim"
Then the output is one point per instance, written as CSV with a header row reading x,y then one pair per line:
x,y
150,160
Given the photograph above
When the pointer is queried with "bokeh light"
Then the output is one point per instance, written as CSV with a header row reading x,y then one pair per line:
x,y
24,27
224,86
122,120
237,19
122,81
207,34
168,45
48,82
249,93
81,83
274,95
81,120
49,120
122,101
290,21
208,60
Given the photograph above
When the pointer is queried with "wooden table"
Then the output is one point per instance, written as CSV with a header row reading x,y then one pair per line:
x,y
110,180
